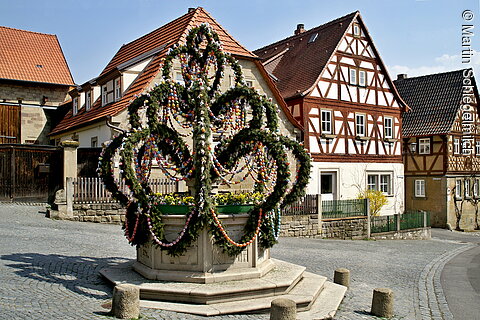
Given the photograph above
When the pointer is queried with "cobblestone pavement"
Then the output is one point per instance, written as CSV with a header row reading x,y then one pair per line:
x,y
49,269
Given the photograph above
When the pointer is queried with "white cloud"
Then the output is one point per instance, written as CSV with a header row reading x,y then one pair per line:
x,y
441,64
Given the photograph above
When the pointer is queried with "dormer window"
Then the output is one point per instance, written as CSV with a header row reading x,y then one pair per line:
x,y
104,95
118,89
75,106
88,100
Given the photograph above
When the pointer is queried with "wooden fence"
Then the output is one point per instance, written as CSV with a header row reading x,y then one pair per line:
x,y
92,190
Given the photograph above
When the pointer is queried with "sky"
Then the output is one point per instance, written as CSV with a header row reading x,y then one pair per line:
x,y
415,37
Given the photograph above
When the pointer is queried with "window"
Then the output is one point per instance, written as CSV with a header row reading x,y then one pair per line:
x,y
372,182
388,127
326,121
475,188
118,89
249,83
75,106
456,146
385,183
420,188
458,189
424,146
360,125
353,76
467,188
362,78
94,142
381,182
88,100
179,78
477,148
356,30
104,95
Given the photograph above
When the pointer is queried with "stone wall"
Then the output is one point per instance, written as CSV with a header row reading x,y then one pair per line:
x,y
300,226
33,93
102,213
345,229
308,226
411,234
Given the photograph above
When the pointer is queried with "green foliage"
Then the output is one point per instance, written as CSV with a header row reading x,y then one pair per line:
x,y
201,104
376,198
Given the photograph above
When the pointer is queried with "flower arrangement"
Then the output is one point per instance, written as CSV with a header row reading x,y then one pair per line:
x,y
228,198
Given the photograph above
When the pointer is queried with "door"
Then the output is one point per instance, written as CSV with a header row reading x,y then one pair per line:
x,y
328,185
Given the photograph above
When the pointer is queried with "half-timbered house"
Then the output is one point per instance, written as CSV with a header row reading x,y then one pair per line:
x,y
442,147
336,85
34,82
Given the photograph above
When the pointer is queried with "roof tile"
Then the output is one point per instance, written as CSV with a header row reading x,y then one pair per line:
x,y
434,101
32,56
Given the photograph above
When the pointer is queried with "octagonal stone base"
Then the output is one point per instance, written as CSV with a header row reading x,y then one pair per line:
x,y
203,262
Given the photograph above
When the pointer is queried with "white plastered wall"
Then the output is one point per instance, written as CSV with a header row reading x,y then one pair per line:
x,y
352,177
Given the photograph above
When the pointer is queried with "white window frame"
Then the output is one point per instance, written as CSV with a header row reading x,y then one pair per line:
x,y
467,186
424,146
88,100
356,30
362,80
75,106
326,125
104,95
118,88
458,189
94,142
413,147
360,126
477,148
353,76
476,184
420,188
456,145
388,130
376,181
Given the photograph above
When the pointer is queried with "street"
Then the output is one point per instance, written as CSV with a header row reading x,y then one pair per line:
x,y
49,270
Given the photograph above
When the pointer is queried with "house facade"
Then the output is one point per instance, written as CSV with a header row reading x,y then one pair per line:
x,y
102,102
34,83
336,85
442,147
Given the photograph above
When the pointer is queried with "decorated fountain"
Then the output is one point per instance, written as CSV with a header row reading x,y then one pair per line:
x,y
186,247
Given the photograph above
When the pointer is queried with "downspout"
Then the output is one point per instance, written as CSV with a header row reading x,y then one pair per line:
x,y
111,126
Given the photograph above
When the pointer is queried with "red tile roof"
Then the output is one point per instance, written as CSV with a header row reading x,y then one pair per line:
x,y
169,34
32,56
296,62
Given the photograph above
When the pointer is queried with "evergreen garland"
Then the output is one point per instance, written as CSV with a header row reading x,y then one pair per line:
x,y
201,105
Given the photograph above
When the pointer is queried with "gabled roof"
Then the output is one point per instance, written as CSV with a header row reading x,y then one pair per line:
x,y
32,56
434,101
284,59
165,36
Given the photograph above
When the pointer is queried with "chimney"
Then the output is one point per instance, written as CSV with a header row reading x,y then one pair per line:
x,y
191,9
300,28
402,76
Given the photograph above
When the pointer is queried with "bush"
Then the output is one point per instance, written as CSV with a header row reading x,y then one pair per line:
x,y
376,198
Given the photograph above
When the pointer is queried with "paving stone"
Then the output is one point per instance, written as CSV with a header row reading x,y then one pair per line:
x,y
49,269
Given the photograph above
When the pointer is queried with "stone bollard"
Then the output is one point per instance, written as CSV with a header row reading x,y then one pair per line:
x,y
126,301
342,277
283,309
382,303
